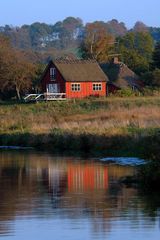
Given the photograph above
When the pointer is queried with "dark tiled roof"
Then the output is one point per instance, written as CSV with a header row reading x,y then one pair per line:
x,y
120,75
80,70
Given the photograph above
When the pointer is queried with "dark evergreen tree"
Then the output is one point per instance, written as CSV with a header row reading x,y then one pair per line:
x,y
156,56
136,50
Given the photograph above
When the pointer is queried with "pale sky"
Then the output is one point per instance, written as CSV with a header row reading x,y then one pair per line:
x,y
19,12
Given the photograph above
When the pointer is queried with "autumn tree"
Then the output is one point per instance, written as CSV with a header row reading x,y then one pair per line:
x,y
97,43
140,27
16,72
116,28
5,61
22,73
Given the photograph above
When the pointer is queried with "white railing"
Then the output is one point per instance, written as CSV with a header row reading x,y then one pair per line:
x,y
45,97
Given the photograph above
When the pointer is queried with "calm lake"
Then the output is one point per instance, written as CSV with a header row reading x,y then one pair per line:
x,y
48,197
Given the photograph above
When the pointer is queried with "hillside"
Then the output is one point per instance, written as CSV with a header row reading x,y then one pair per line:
x,y
65,36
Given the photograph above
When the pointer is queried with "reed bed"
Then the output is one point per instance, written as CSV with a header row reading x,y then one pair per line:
x,y
110,126
97,116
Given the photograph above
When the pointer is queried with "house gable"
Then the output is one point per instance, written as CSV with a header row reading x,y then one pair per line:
x,y
48,78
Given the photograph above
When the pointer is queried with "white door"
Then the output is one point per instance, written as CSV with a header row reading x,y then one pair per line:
x,y
52,88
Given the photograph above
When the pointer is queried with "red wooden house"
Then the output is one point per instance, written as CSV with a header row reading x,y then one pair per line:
x,y
75,78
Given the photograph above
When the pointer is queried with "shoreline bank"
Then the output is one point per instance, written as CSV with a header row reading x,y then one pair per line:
x,y
134,144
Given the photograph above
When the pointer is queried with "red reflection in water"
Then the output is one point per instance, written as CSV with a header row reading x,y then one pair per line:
x,y
87,177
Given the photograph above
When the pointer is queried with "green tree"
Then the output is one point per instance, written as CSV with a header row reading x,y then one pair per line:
x,y
152,78
36,82
136,50
156,56
155,33
156,77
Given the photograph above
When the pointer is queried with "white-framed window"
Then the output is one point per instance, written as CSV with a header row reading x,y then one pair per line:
x,y
97,86
76,87
52,74
52,88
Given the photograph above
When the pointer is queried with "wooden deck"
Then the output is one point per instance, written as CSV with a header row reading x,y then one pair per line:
x,y
45,97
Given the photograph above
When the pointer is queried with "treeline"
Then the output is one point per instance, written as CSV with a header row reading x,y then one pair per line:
x,y
66,34
62,35
25,50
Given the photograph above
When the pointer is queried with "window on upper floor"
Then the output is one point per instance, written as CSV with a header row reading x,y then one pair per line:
x,y
52,74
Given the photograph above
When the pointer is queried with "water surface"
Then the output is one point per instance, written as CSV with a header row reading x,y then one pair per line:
x,y
49,197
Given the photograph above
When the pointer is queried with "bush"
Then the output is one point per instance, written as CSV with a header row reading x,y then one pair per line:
x,y
147,78
126,92
151,91
156,77
151,79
